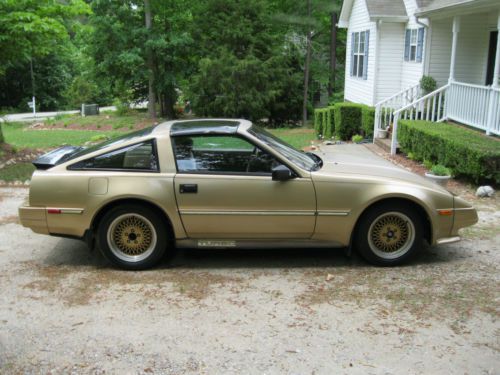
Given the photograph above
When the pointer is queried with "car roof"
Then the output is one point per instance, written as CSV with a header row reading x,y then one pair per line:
x,y
202,126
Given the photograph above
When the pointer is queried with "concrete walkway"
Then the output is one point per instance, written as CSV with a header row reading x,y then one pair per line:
x,y
351,153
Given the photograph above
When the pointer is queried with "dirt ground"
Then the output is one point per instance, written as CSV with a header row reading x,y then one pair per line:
x,y
64,310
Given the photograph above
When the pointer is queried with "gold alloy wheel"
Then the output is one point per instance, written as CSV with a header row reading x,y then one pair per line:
x,y
131,237
391,235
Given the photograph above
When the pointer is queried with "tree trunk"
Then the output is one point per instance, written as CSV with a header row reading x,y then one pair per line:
x,y
307,68
150,64
333,53
168,106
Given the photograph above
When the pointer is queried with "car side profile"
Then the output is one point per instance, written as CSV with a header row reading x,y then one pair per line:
x,y
222,183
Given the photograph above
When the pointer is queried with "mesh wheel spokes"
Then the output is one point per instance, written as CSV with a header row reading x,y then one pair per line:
x,y
391,235
132,236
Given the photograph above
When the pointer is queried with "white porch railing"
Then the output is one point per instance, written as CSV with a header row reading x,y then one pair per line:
x,y
384,110
431,107
473,105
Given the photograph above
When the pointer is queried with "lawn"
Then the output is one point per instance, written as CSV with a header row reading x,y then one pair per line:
x,y
20,136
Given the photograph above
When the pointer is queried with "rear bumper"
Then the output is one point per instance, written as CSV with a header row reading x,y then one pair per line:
x,y
34,218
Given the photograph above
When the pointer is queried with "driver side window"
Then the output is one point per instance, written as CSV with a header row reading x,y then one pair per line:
x,y
220,154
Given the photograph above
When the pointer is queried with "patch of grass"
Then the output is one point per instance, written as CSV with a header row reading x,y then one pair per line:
x,y
20,136
297,137
17,172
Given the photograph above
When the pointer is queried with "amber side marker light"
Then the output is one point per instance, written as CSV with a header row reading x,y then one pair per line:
x,y
445,212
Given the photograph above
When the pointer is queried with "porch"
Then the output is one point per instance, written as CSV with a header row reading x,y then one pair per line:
x,y
463,56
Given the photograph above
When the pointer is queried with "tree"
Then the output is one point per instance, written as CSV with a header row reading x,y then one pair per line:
x,y
240,63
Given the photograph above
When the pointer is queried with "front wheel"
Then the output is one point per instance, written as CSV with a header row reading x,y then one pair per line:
x,y
389,234
132,237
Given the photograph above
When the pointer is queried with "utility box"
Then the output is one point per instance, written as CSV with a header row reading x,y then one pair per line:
x,y
90,109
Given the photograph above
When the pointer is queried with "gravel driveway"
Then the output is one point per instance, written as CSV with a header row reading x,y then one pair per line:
x,y
63,310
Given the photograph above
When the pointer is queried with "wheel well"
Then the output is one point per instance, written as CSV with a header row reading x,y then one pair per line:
x,y
102,211
418,208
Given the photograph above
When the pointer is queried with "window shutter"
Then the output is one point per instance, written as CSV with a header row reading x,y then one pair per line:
x,y
352,53
407,44
420,45
365,62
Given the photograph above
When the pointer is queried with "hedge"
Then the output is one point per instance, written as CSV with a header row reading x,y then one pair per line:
x,y
467,152
344,120
347,120
367,120
323,122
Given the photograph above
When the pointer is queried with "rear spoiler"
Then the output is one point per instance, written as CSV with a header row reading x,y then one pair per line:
x,y
56,156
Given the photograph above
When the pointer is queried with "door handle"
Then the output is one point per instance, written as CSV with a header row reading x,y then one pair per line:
x,y
188,188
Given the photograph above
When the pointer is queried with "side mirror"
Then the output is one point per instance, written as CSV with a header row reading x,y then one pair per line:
x,y
282,173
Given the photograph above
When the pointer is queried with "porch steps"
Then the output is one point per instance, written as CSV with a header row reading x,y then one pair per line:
x,y
385,144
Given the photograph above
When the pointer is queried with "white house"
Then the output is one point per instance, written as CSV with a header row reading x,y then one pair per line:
x,y
391,44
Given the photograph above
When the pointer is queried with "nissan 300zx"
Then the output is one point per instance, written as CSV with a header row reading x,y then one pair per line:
x,y
230,184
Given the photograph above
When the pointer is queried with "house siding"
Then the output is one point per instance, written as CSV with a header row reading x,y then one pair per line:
x,y
390,56
472,49
439,62
360,90
411,71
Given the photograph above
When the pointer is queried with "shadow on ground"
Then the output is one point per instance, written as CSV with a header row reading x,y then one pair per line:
x,y
75,253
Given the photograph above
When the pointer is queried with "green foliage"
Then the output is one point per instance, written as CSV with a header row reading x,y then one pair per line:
x,y
367,120
428,84
324,122
122,107
347,120
427,164
467,152
440,170
357,138
17,172
80,91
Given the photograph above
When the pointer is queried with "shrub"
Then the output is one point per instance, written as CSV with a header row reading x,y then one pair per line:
x,y
428,84
440,170
357,138
122,107
467,152
323,122
367,120
347,120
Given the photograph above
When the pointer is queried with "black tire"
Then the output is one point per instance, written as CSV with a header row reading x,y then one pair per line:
x,y
389,234
132,237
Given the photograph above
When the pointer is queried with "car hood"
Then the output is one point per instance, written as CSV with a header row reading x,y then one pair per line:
x,y
371,168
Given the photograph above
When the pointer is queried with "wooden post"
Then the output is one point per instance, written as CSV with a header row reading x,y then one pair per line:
x,y
456,30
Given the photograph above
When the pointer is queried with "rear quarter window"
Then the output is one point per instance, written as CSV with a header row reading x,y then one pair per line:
x,y
138,157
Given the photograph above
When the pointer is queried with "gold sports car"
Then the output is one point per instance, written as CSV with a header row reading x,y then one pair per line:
x,y
230,184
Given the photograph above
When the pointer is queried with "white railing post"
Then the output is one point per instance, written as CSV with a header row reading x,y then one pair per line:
x,y
394,139
376,125
491,111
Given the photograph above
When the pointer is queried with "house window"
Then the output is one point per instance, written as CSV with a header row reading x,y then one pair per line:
x,y
359,54
414,42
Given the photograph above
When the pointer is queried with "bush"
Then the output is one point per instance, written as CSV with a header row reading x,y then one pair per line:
x,y
122,107
367,120
428,84
323,122
467,152
357,138
347,120
440,170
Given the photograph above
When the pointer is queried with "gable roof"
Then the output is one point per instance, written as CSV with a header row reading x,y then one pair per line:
x,y
388,10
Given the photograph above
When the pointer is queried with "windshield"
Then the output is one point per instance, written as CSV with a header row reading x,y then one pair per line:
x,y
305,161
112,142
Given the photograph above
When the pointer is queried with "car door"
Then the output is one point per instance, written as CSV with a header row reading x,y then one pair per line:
x,y
224,189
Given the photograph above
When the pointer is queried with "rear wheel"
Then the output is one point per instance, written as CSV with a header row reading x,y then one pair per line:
x,y
389,234
132,237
